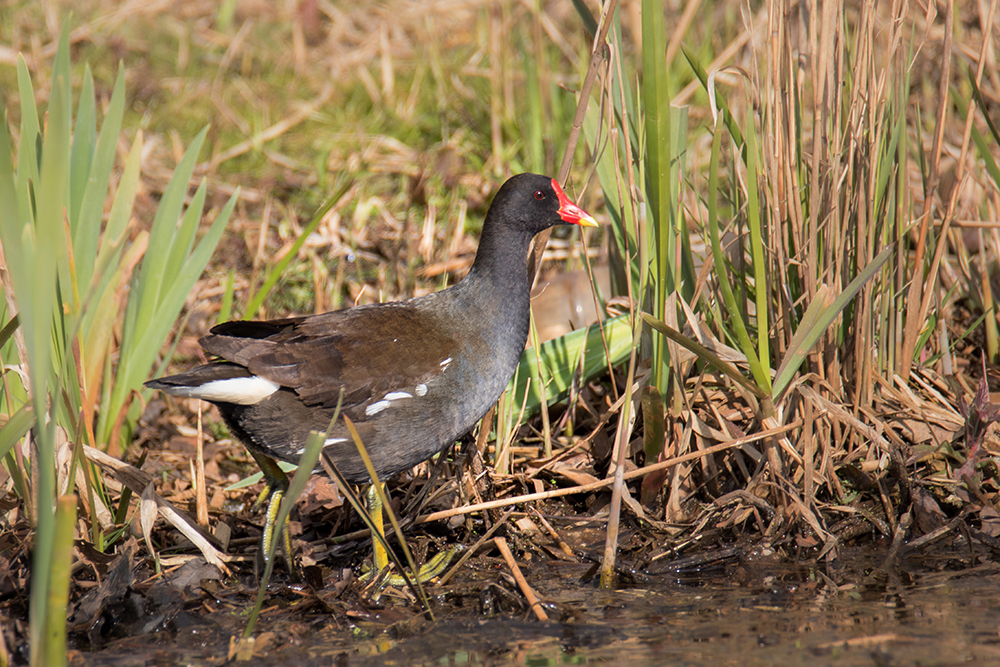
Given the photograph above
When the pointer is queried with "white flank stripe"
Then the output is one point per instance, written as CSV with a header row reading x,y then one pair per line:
x,y
333,441
242,391
376,408
421,389
444,364
396,395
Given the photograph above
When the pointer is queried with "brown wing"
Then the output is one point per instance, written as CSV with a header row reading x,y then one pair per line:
x,y
367,352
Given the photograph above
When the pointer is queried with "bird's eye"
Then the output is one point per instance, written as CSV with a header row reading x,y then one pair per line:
x,y
539,195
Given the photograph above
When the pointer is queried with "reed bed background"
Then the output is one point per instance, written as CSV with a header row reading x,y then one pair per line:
x,y
801,207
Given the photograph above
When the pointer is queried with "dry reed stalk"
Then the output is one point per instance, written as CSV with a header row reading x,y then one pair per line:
x,y
918,297
596,61
604,483
270,133
533,602
587,488
496,86
201,496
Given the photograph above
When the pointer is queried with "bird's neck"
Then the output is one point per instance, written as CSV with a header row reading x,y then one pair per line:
x,y
500,263
495,295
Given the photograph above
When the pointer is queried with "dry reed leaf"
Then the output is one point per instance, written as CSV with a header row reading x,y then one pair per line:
x,y
139,482
147,516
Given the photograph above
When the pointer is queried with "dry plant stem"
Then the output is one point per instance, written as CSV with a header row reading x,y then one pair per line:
x,y
681,29
959,169
201,496
822,74
496,96
625,424
535,604
469,553
596,60
270,133
565,548
727,55
587,488
914,299
542,392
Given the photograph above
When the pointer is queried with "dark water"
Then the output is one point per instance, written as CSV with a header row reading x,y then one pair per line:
x,y
944,620
736,616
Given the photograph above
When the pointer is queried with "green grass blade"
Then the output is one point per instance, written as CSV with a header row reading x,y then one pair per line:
x,y
115,232
760,286
622,214
978,96
15,428
534,139
226,304
685,275
983,149
255,302
720,102
27,153
157,296
156,330
715,242
589,22
815,325
657,163
703,353
53,649
44,246
153,279
10,212
184,233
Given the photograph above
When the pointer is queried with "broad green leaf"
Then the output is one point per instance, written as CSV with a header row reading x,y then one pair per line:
x,y
91,208
561,359
15,428
82,152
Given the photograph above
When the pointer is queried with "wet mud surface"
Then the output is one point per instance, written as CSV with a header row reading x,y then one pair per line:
x,y
751,610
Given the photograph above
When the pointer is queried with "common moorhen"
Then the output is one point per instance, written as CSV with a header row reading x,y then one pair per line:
x,y
415,375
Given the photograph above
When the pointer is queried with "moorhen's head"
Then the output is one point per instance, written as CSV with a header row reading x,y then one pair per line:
x,y
533,203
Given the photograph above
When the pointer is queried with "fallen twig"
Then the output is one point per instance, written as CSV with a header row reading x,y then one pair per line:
x,y
533,601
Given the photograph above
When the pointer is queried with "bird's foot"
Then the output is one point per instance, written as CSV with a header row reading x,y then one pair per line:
x,y
275,486
429,570
268,536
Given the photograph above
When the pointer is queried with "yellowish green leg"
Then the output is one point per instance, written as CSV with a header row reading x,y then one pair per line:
x,y
380,557
276,484
432,568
